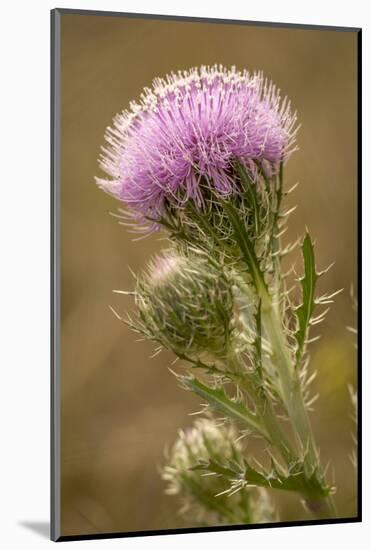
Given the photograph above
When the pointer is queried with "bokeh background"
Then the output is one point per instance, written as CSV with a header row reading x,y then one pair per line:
x,y
119,407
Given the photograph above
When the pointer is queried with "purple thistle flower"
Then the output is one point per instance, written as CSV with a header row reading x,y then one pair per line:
x,y
187,132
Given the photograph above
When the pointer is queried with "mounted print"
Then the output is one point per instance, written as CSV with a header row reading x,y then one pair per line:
x,y
205,193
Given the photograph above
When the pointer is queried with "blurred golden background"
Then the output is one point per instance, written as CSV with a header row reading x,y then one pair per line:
x,y
119,407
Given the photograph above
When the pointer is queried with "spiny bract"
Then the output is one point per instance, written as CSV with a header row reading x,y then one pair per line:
x,y
186,304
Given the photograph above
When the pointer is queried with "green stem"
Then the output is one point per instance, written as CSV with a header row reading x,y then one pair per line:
x,y
293,399
289,382
252,386
290,390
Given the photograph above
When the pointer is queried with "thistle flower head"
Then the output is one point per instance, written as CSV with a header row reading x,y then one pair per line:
x,y
203,441
205,497
185,134
186,304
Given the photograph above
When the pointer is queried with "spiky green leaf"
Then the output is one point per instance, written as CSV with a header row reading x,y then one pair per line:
x,y
246,247
219,400
308,284
292,481
250,189
258,341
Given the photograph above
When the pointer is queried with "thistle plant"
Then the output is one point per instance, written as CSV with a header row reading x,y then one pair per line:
x,y
201,157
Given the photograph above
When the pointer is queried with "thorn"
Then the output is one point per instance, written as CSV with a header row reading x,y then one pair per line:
x,y
320,316
288,212
317,322
327,298
313,400
238,488
320,273
125,292
133,274
222,493
115,313
314,339
292,188
180,377
155,353
202,411
309,380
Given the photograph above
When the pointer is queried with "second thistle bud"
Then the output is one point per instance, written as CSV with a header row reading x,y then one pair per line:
x,y
186,304
206,498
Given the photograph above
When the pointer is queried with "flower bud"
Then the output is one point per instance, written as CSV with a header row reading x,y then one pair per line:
x,y
186,304
205,496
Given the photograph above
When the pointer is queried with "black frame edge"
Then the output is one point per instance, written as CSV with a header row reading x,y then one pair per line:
x,y
55,488
225,528
359,274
